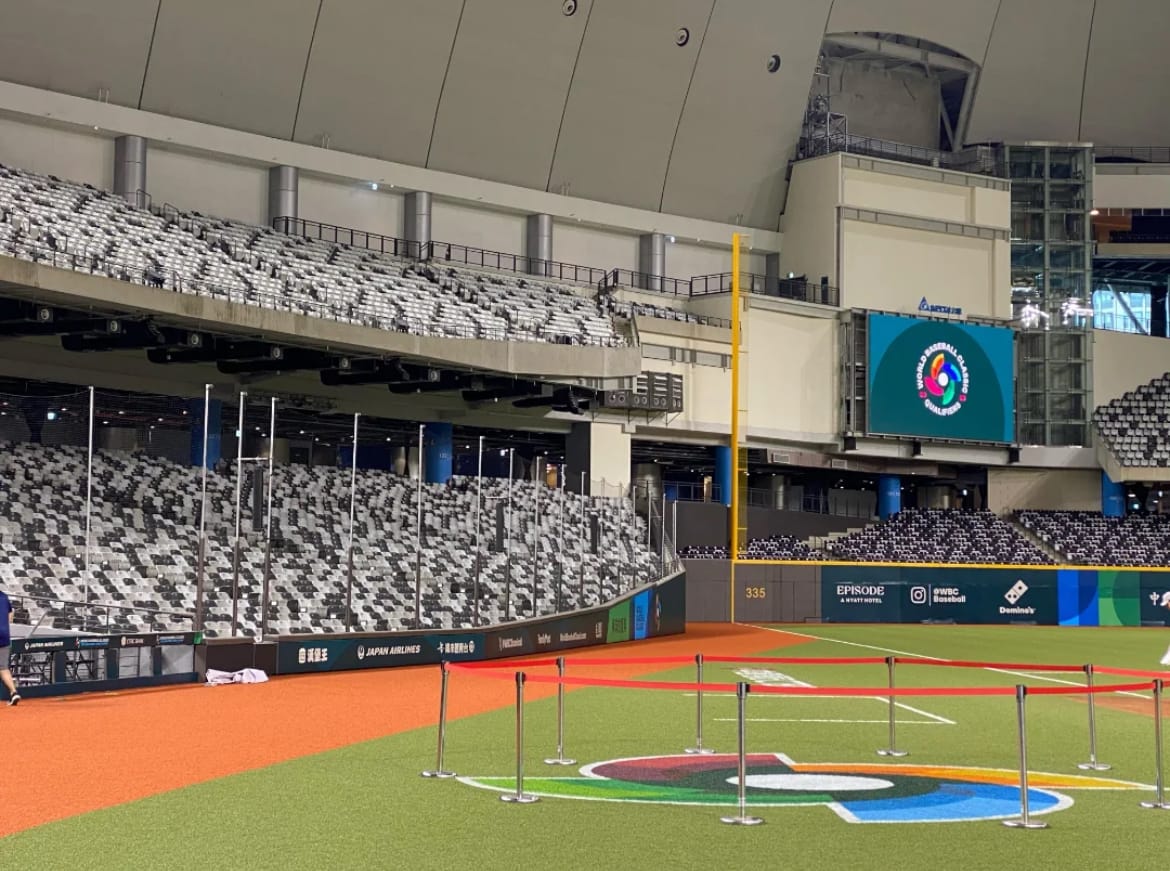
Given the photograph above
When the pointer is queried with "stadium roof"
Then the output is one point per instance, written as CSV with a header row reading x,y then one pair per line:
x,y
603,103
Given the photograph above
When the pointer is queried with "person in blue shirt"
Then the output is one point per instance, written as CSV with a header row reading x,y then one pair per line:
x,y
5,649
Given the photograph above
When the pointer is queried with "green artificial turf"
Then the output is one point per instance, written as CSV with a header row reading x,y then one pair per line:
x,y
366,807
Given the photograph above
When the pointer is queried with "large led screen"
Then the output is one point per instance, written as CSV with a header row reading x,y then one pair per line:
x,y
940,379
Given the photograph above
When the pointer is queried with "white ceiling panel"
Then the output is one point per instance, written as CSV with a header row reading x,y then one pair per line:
x,y
627,95
236,64
374,76
506,88
77,48
1042,43
960,25
1127,74
740,121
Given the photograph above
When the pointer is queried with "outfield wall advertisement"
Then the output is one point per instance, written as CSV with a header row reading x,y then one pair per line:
x,y
941,379
647,613
1068,597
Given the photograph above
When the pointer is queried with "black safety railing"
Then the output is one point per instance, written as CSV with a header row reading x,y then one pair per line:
x,y
464,255
979,159
645,281
94,616
798,289
603,280
1132,154
316,230
1130,237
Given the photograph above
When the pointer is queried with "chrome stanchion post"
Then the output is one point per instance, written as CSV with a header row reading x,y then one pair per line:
x,y
560,757
201,552
699,749
478,535
1092,764
439,771
349,545
88,515
1024,821
236,540
892,749
508,542
1159,801
742,819
267,580
519,796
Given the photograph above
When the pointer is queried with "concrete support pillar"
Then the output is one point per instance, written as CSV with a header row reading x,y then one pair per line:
x,y
777,491
889,496
118,438
1112,497
652,260
602,452
438,453
130,169
539,249
647,481
284,184
772,274
214,431
722,482
281,451
416,222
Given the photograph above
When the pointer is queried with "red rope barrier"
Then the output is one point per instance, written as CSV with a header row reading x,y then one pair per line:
x,y
504,669
796,660
513,664
963,663
1103,688
840,692
1131,672
637,660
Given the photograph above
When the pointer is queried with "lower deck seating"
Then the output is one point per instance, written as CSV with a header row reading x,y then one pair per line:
x,y
144,545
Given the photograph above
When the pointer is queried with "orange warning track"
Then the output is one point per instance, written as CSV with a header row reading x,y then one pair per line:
x,y
83,753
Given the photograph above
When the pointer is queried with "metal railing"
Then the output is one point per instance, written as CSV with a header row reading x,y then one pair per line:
x,y
644,281
799,289
603,280
452,252
1128,237
978,159
1132,154
390,245
83,613
832,503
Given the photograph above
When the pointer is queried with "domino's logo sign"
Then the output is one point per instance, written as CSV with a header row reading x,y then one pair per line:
x,y
1013,596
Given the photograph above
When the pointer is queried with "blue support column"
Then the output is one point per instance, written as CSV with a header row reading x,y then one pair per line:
x,y
437,453
214,428
723,473
889,496
1112,497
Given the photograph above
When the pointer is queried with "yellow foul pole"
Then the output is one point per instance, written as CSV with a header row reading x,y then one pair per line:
x,y
734,519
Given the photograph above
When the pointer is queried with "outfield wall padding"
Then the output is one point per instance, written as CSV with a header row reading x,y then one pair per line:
x,y
796,592
651,611
1008,594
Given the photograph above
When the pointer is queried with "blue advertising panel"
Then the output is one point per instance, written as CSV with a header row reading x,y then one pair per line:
x,y
941,379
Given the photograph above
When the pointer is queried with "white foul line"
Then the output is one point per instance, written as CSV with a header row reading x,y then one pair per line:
x,y
1071,683
812,720
882,699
